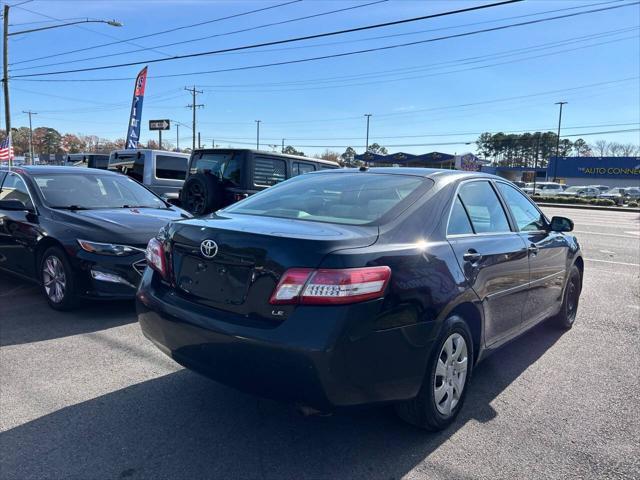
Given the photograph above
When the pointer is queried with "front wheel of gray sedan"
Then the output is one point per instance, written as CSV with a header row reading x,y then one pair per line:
x,y
445,384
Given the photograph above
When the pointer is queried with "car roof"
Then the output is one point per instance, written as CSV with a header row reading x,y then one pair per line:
x,y
264,152
414,171
30,169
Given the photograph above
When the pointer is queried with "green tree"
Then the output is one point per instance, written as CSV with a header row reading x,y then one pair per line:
x,y
375,148
47,140
289,150
348,156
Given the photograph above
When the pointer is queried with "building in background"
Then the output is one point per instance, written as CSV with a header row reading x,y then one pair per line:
x,y
612,171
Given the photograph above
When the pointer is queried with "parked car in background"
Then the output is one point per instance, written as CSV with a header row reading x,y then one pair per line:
x,y
220,177
345,287
621,195
78,232
519,184
632,193
161,171
601,188
582,192
547,189
90,160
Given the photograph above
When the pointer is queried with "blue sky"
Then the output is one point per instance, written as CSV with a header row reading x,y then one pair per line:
x,y
431,94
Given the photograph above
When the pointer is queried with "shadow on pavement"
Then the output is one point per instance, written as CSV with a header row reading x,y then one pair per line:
x,y
184,426
26,317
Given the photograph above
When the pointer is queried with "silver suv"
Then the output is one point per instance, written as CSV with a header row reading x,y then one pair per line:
x,y
161,171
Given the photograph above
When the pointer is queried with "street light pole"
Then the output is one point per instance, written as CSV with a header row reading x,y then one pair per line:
x,y
29,112
258,134
555,164
368,115
5,56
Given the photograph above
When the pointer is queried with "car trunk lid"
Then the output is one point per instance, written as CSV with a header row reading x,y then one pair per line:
x,y
233,262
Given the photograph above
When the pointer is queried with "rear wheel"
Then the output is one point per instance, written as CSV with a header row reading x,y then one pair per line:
x,y
445,384
567,316
56,278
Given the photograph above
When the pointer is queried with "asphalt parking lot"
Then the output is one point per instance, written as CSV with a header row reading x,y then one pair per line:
x,y
83,395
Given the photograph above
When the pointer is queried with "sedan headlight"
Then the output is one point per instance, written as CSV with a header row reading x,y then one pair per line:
x,y
108,248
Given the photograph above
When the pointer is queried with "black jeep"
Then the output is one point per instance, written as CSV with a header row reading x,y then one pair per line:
x,y
219,177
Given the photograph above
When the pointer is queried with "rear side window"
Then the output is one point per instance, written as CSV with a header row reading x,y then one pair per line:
x,y
484,208
130,165
169,167
210,163
459,223
232,171
300,167
268,171
348,198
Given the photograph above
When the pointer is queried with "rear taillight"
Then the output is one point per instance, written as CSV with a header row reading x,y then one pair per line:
x,y
156,258
330,286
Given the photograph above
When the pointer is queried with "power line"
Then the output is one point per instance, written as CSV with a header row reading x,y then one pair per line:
x,y
288,40
127,40
413,68
207,37
468,142
323,57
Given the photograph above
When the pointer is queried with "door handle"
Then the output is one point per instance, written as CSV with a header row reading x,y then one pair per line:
x,y
533,249
472,256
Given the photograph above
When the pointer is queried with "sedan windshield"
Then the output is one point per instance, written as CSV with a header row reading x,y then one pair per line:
x,y
347,198
92,191
574,189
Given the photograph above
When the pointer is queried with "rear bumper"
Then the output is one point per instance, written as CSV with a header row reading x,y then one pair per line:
x,y
316,357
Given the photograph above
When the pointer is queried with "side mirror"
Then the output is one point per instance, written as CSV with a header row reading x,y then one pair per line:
x,y
14,205
561,224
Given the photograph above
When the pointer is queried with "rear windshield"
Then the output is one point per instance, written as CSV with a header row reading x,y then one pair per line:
x,y
170,167
346,198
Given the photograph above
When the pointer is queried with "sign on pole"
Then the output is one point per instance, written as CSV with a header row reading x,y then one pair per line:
x,y
159,124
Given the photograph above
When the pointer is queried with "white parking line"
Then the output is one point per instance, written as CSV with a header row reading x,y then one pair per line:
x,y
615,263
607,234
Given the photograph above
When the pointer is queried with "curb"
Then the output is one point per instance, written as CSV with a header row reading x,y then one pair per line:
x,y
589,207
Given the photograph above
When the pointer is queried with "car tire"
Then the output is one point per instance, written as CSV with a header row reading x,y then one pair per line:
x,y
201,194
57,279
568,310
439,400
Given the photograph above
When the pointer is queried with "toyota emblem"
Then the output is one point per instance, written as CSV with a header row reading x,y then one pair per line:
x,y
209,249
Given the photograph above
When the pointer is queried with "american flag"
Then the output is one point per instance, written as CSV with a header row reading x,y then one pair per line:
x,y
6,149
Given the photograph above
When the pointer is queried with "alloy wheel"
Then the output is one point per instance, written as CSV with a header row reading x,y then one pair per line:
x,y
54,279
451,374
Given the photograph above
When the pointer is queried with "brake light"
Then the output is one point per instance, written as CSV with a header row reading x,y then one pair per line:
x,y
156,258
331,286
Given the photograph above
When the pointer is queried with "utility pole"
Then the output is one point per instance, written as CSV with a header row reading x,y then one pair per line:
x,y
177,135
555,165
5,77
29,112
368,115
159,139
282,151
193,107
199,140
258,134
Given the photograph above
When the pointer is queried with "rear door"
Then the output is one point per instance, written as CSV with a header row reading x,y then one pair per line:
x,y
492,256
547,253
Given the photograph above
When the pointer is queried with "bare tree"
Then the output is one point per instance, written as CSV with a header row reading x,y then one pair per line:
x,y
629,150
615,149
600,148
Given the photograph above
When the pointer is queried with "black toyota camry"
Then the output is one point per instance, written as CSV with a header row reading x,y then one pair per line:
x,y
79,232
345,287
